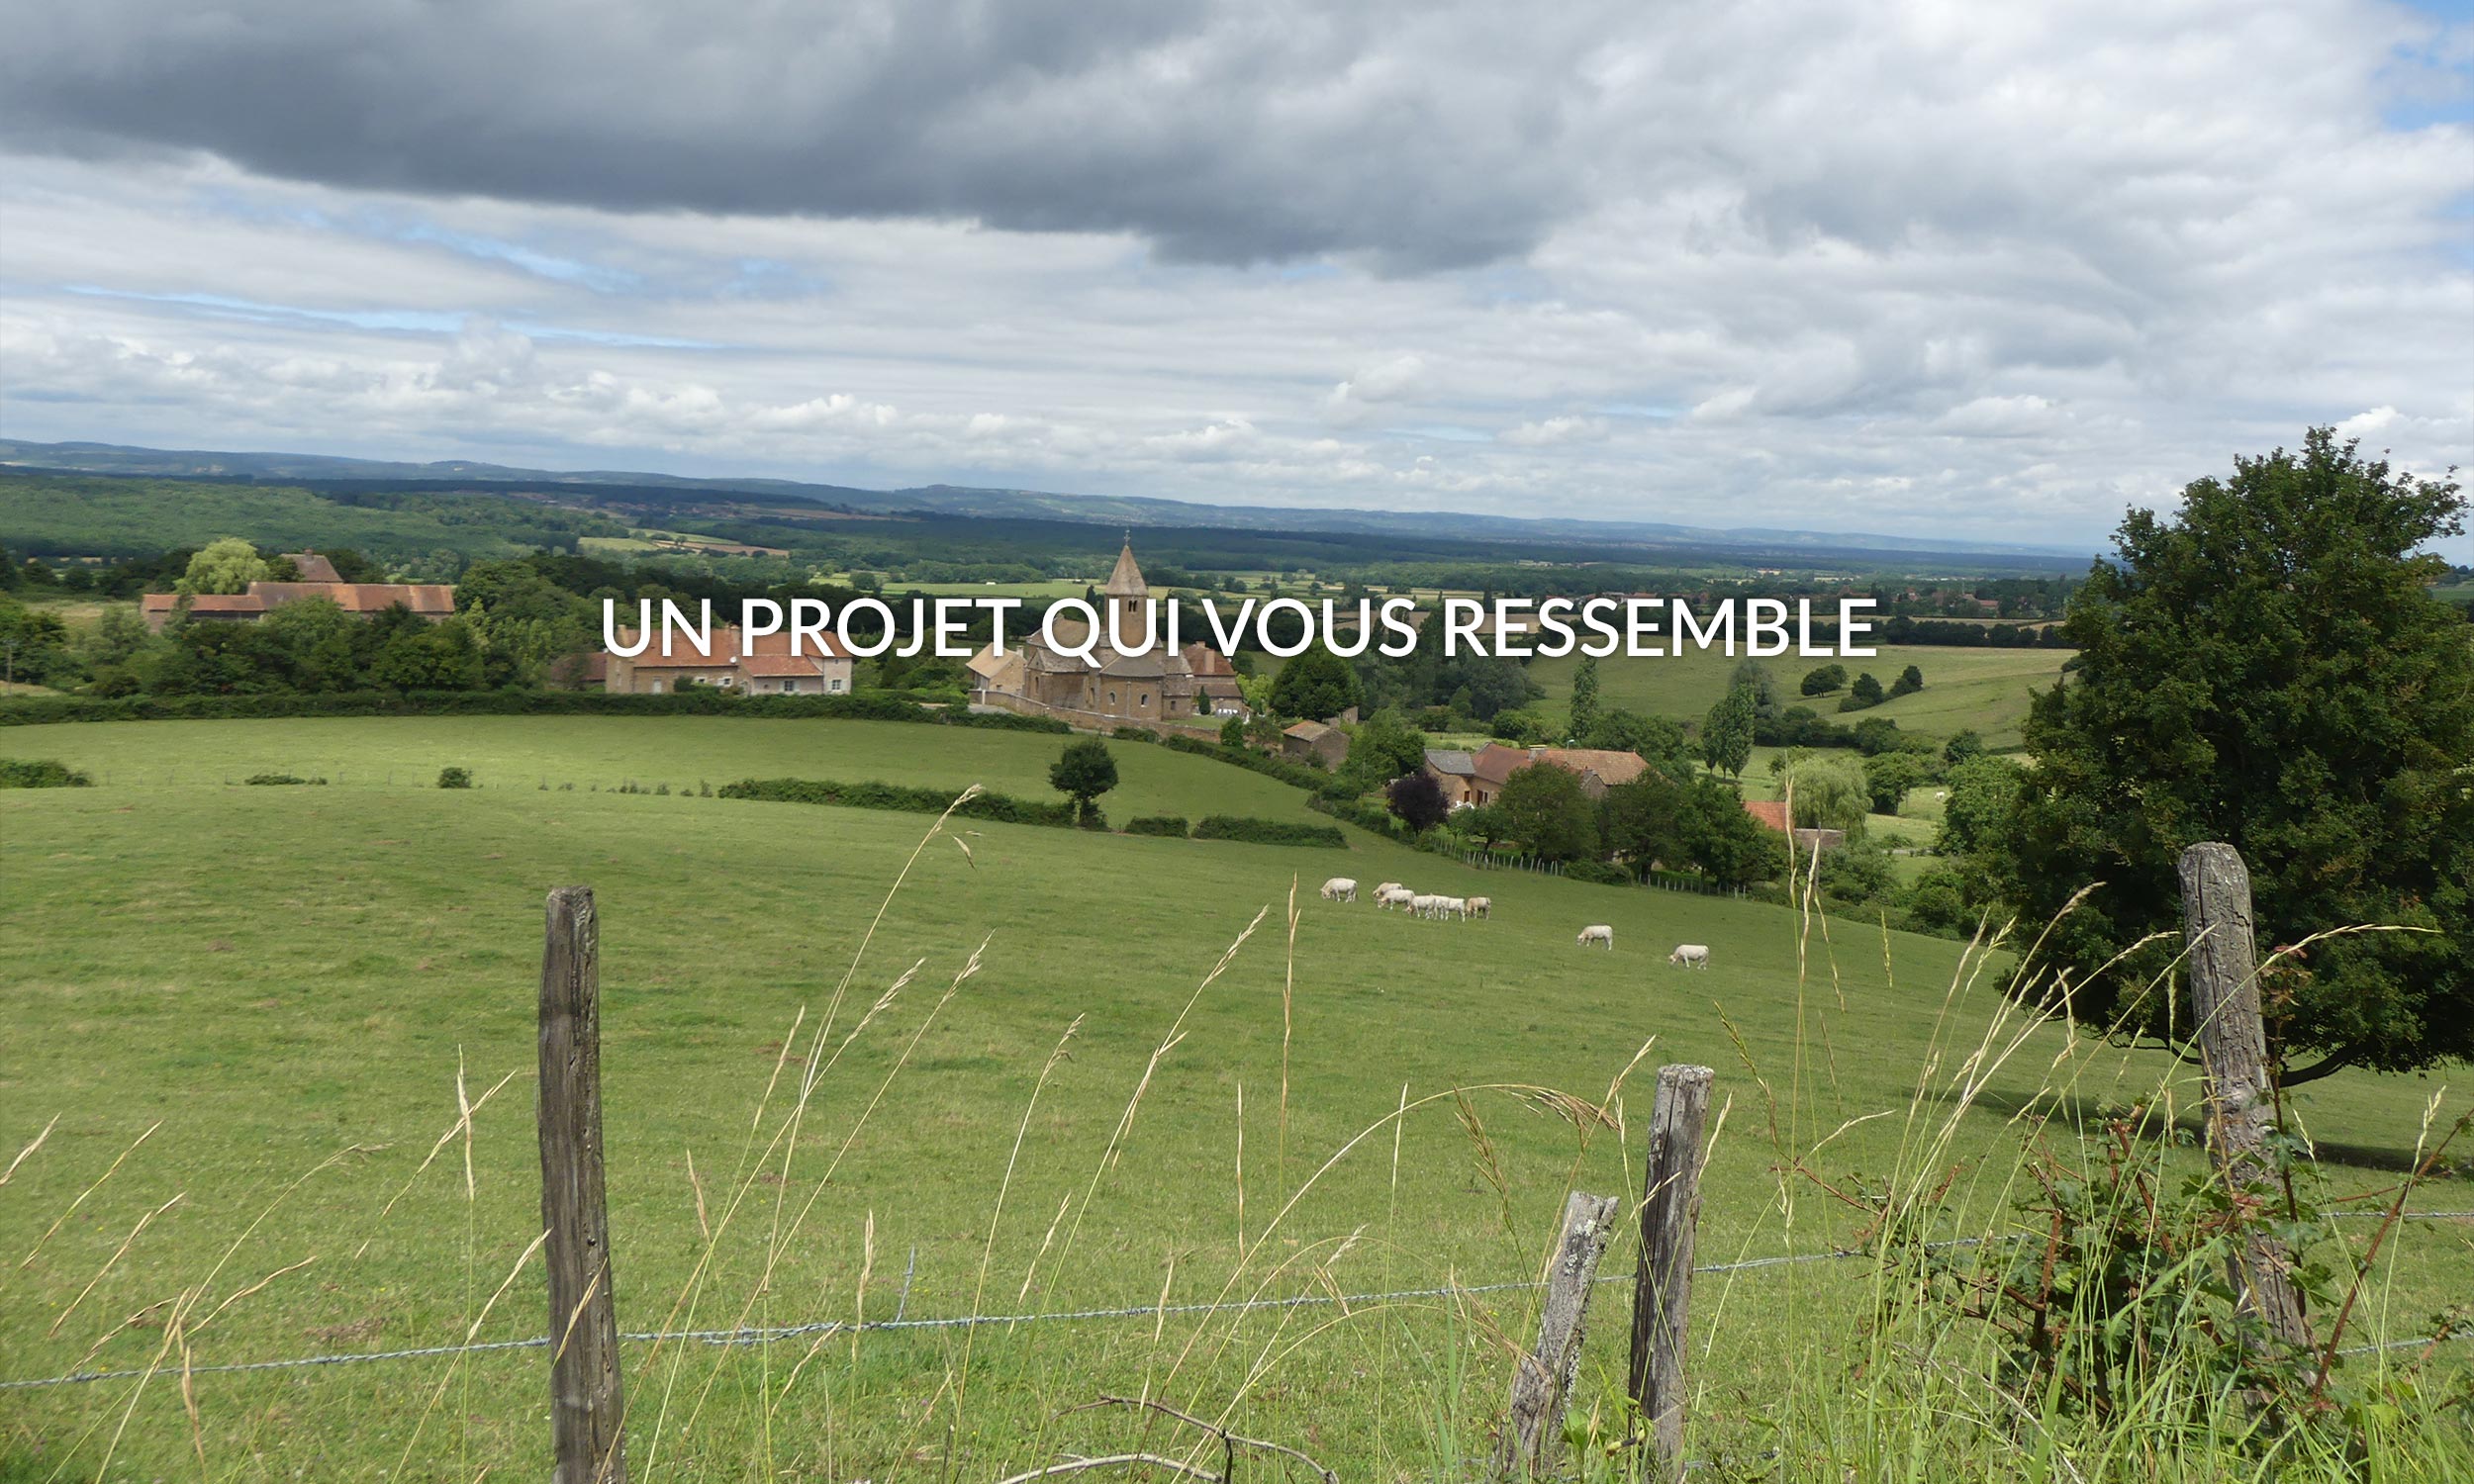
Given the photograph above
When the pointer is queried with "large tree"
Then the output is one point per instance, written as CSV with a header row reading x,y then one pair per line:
x,y
1083,772
1584,703
1315,685
224,564
2266,668
1545,809
1727,732
1829,791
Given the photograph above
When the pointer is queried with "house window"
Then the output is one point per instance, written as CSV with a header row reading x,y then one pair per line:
x,y
833,685
729,680
1143,699
656,688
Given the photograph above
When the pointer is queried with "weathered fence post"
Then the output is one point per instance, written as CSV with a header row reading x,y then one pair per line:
x,y
586,1399
1543,1383
2233,1046
1662,1288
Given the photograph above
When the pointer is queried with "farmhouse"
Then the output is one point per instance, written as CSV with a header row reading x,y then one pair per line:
x,y
1772,815
1315,739
763,665
1194,684
318,578
1469,780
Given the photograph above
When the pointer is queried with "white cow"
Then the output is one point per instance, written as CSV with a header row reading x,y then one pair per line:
x,y
1341,889
1393,896
1383,891
1690,955
1423,904
1598,932
1480,907
1451,906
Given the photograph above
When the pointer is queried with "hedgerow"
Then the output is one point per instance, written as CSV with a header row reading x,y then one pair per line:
x,y
39,772
698,701
1001,807
1268,831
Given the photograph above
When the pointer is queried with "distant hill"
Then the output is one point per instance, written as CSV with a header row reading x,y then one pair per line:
x,y
957,500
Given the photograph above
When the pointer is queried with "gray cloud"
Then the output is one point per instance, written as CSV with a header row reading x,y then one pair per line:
x,y
1229,133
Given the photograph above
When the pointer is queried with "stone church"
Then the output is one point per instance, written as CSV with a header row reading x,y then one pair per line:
x,y
1194,687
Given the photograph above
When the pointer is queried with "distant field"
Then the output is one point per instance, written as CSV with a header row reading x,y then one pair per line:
x,y
287,981
682,752
99,516
1983,689
76,612
1056,587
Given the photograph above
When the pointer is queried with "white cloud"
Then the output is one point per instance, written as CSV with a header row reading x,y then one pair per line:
x,y
1992,271
1554,430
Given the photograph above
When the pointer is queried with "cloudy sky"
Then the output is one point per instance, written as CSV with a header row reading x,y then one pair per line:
x,y
1958,269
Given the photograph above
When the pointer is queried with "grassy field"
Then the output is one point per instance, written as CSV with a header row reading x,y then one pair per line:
x,y
682,751
1983,689
282,984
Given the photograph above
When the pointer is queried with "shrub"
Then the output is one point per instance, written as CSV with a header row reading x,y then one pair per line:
x,y
16,773
1268,831
271,780
1418,801
1135,734
1001,807
703,701
1170,825
1598,874
1266,764
454,778
1363,814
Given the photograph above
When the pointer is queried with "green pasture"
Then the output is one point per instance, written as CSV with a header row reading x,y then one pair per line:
x,y
682,752
285,984
1983,689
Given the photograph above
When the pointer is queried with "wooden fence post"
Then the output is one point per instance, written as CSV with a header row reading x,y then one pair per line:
x,y
2233,1046
586,1399
1662,1288
1544,1382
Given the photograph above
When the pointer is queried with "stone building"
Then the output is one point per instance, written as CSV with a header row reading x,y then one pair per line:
x,y
317,578
763,665
1194,686
1473,779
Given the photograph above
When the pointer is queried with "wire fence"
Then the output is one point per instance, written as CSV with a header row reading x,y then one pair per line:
x,y
774,1335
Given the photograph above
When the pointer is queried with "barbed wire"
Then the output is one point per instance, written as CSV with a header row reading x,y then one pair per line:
x,y
774,1335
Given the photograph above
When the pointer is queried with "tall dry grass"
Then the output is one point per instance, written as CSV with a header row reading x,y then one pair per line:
x,y
1872,1369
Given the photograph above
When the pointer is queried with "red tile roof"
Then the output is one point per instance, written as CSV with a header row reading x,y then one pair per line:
x,y
429,599
425,599
1610,765
1496,761
313,568
1772,812
780,664
726,649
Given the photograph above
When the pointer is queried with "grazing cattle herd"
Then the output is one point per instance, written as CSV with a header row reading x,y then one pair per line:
x,y
1390,894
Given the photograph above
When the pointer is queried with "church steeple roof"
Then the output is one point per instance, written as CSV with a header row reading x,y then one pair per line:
x,y
1127,579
